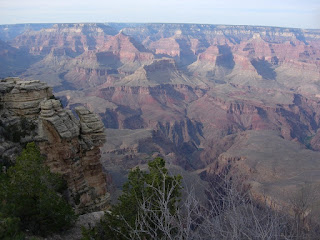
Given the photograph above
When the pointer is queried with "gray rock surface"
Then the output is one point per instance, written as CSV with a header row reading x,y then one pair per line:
x,y
62,120
22,98
29,113
91,127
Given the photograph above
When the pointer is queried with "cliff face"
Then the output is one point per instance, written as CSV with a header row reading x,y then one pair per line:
x,y
71,146
272,166
160,107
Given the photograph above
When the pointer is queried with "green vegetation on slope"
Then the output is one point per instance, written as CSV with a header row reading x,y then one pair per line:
x,y
146,197
31,199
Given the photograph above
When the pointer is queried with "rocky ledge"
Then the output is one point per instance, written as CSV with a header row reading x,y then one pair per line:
x,y
71,145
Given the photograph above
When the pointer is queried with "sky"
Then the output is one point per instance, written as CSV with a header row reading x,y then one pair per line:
x,y
282,13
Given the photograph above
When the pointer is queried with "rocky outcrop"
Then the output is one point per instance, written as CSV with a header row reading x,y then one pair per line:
x,y
19,111
72,148
22,98
91,127
71,145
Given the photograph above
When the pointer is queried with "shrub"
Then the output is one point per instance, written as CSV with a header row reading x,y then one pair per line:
x,y
30,192
10,228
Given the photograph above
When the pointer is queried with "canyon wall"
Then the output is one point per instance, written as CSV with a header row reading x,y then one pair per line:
x,y
71,145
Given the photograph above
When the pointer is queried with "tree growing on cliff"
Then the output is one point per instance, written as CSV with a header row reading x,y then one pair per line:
x,y
147,207
31,194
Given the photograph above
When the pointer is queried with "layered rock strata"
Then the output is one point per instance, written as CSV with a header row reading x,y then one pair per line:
x,y
71,145
22,98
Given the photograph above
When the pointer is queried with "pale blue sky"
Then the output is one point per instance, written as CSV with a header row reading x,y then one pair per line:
x,y
283,13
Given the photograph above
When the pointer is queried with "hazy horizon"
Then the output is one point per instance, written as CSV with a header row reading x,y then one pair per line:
x,y
220,24
285,13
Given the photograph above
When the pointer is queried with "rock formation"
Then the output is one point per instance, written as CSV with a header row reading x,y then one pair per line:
x,y
22,98
71,145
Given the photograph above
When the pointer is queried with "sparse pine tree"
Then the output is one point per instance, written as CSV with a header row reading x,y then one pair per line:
x,y
30,193
147,198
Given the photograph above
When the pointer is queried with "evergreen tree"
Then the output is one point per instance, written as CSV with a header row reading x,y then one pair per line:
x,y
146,196
31,195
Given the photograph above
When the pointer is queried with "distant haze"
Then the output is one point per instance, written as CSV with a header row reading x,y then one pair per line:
x,y
283,13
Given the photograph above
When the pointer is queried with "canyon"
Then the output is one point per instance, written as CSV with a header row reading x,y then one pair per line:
x,y
205,97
